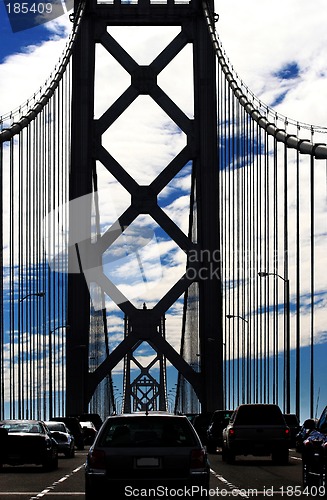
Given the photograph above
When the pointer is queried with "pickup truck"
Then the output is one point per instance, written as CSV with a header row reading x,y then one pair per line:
x,y
259,430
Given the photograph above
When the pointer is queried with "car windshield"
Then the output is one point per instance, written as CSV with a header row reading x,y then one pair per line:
x,y
259,415
56,426
147,431
23,427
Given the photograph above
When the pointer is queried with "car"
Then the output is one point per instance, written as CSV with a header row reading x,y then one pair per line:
x,y
28,442
133,453
219,421
75,429
307,426
89,431
200,423
259,430
63,437
91,417
292,421
314,455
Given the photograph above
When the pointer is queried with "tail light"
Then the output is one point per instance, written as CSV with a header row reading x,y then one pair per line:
x,y
97,459
287,432
198,459
231,433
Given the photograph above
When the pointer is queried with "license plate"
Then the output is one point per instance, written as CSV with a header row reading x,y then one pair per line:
x,y
147,462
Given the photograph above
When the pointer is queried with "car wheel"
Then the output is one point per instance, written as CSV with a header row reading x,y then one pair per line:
x,y
224,454
211,447
228,456
70,453
280,457
50,464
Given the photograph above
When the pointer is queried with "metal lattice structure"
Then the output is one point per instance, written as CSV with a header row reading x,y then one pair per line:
x,y
201,150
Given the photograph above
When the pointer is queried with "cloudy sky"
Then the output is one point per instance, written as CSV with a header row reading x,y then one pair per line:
x,y
277,48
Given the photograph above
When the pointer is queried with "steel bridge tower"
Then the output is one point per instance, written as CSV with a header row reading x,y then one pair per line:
x,y
200,151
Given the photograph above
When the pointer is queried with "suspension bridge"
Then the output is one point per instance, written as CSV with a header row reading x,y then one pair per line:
x,y
101,277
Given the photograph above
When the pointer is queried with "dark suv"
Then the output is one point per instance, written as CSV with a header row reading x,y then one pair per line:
x,y
219,421
259,430
154,450
314,454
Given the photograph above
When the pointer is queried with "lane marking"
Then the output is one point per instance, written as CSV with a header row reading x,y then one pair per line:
x,y
237,491
50,489
18,493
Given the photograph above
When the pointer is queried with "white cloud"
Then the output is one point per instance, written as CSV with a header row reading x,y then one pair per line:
x,y
23,74
261,37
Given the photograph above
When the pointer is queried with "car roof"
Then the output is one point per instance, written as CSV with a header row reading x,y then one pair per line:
x,y
149,414
53,422
21,421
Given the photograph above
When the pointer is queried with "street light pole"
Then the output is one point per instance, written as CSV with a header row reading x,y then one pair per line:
x,y
21,356
50,368
287,345
231,316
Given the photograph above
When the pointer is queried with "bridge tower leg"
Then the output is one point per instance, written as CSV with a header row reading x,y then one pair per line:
x,y
200,150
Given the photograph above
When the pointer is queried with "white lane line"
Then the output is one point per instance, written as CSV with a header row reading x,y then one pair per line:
x,y
54,484
235,489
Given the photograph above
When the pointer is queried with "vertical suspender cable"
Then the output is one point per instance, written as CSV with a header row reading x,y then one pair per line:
x,y
298,293
312,283
2,340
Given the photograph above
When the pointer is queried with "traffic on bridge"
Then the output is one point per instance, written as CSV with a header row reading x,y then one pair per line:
x,y
163,229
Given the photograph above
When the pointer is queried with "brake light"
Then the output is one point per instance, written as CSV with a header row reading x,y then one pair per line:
x,y
97,459
198,459
231,432
287,431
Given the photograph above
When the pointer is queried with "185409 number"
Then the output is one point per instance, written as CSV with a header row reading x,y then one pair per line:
x,y
25,8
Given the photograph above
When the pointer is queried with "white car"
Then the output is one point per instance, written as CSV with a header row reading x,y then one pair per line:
x,y
64,439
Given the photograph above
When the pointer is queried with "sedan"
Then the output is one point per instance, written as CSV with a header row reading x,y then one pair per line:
x,y
89,431
134,453
65,440
28,442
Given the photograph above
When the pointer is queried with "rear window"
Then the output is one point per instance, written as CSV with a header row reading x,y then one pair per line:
x,y
222,417
147,432
259,415
32,428
291,420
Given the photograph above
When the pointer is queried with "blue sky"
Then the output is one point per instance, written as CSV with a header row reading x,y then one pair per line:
x,y
282,58
17,42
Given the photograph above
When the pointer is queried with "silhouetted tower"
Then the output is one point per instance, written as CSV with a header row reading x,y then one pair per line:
x,y
200,150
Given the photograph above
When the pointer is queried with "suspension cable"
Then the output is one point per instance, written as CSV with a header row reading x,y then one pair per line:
x,y
239,89
27,113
